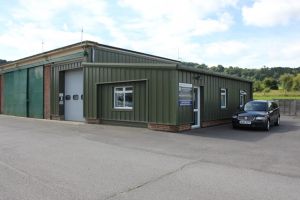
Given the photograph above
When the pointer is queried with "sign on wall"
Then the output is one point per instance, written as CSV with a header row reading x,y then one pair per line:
x,y
185,94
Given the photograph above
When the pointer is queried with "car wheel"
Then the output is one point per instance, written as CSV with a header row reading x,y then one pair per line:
x,y
267,126
277,123
234,126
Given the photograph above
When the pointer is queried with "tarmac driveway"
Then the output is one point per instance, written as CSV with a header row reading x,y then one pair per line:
x,y
42,159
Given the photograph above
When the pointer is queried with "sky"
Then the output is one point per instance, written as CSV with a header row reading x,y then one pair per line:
x,y
244,33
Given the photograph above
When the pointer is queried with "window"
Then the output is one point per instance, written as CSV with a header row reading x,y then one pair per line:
x,y
68,97
123,97
223,98
243,95
75,97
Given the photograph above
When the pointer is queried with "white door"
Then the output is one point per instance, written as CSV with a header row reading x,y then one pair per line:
x,y
196,107
74,95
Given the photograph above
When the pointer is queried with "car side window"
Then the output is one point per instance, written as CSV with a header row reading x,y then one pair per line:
x,y
274,106
270,106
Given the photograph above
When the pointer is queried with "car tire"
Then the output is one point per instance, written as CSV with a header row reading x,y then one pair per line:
x,y
267,125
277,123
234,126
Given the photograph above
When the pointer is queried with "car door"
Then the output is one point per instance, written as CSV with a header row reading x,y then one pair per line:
x,y
276,111
271,112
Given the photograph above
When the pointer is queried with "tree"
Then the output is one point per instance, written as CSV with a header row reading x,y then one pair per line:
x,y
258,86
271,83
202,66
286,81
2,61
296,83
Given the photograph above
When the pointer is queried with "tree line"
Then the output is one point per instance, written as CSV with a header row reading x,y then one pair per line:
x,y
2,61
265,78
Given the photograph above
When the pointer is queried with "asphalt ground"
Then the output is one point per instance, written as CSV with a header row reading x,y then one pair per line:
x,y
41,159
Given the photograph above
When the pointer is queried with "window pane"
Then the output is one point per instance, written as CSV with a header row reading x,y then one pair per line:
x,y
119,99
75,97
128,100
68,97
195,97
128,88
223,100
119,89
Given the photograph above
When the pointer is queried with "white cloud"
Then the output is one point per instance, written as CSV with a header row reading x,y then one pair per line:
x,y
190,30
225,48
27,40
267,13
166,27
253,52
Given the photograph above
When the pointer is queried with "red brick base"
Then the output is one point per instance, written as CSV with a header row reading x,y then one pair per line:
x,y
92,121
169,128
57,117
47,80
215,123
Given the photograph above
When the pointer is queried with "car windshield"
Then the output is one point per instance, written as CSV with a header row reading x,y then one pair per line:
x,y
255,106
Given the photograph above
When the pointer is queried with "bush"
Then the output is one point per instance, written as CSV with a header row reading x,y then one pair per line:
x,y
258,86
286,81
296,83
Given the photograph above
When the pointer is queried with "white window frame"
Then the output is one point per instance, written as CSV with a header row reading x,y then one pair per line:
x,y
124,91
243,93
223,92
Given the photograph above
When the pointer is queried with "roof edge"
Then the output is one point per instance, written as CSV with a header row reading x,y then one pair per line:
x,y
83,44
185,68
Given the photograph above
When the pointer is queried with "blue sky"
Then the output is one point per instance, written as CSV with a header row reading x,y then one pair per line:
x,y
245,33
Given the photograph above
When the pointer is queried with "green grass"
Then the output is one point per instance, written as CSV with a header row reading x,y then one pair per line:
x,y
277,94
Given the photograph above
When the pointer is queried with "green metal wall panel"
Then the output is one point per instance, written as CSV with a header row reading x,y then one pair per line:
x,y
15,93
106,109
211,85
105,55
36,92
161,91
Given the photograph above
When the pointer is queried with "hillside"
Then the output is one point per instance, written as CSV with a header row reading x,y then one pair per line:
x,y
251,74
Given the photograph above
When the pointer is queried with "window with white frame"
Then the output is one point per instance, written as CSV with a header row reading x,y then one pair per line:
x,y
123,97
223,98
243,95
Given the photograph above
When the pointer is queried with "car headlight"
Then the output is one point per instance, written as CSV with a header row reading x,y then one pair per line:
x,y
260,118
234,116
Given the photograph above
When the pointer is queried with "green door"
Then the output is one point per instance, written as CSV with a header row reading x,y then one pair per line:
x,y
15,93
36,92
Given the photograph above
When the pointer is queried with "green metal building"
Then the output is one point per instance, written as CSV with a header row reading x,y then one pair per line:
x,y
97,83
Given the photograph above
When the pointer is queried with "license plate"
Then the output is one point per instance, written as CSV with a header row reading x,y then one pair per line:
x,y
245,122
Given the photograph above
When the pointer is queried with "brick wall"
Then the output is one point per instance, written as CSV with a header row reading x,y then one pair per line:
x,y
92,121
47,82
169,128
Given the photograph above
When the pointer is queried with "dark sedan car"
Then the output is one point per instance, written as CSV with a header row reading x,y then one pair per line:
x,y
257,114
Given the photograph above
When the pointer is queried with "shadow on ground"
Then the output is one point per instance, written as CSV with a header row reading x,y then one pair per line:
x,y
245,134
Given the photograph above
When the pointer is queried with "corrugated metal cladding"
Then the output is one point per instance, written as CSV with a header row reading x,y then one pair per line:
x,y
211,109
23,91
15,93
36,92
105,55
160,92
106,100
57,84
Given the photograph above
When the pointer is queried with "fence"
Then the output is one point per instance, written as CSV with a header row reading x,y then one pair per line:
x,y
289,107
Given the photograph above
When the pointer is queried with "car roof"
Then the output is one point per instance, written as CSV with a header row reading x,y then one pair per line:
x,y
263,101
